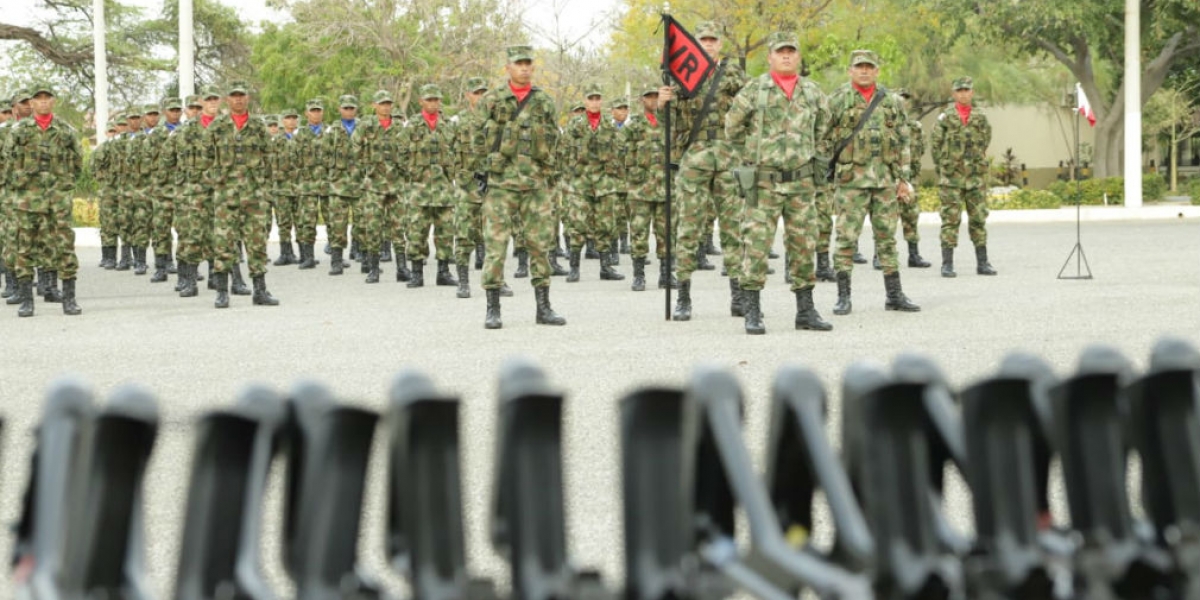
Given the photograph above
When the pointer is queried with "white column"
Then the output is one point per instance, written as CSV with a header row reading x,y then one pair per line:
x,y
1133,105
187,54
100,69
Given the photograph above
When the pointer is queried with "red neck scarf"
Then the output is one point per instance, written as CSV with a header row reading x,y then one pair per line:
x,y
431,119
386,124
787,83
593,120
964,112
43,121
239,121
206,120
652,118
866,92
520,92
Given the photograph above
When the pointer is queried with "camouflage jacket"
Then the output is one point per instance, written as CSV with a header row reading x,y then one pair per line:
x,y
960,151
284,164
344,175
98,162
685,112
525,148
375,153
592,159
239,157
192,156
644,159
150,161
310,177
794,133
430,161
42,165
879,154
119,170
916,147
470,153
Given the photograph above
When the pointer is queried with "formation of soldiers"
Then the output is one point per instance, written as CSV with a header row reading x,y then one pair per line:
x,y
504,170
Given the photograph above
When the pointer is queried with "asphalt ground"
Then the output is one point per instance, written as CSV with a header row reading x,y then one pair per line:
x,y
355,337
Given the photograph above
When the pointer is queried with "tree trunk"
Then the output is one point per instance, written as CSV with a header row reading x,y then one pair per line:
x,y
1106,155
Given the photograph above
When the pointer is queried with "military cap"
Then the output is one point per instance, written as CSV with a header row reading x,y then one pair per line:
x,y
151,109
193,100
111,127
578,108
21,95
237,86
430,91
132,112
173,103
271,119
347,101
120,119
620,102
519,53
864,57
475,84
964,83
397,111
650,91
39,88
708,29
289,112
592,89
783,39
382,96
314,104
210,91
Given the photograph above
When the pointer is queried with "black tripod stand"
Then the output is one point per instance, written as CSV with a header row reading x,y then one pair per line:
x,y
1082,269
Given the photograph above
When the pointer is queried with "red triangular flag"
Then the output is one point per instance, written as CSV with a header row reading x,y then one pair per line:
x,y
684,59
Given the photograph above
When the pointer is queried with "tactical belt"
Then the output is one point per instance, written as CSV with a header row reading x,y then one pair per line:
x,y
789,176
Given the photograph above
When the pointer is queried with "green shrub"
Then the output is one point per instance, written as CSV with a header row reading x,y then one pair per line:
x,y
85,213
1025,199
1154,187
1092,191
1191,187
85,184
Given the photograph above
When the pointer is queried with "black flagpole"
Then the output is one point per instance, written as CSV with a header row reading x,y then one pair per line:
x,y
1081,261
666,23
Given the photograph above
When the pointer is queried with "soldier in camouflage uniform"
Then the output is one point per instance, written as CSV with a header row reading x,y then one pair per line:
x,y
139,164
285,175
872,175
395,220
7,249
704,181
520,160
779,124
468,218
124,183
163,190
100,165
593,165
644,172
344,177
375,149
959,149
910,212
43,160
620,118
429,163
238,145
311,184
189,159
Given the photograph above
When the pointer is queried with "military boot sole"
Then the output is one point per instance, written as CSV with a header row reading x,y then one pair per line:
x,y
901,307
917,262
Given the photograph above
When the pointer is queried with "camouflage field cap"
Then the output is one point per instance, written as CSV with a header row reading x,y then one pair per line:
x,y
783,39
864,57
650,91
120,119
347,101
619,103
431,91
112,127
592,89
174,103
964,83
382,97
476,84
289,112
151,109
21,95
314,104
271,120
237,86
397,111
194,100
133,112
578,108
40,87
209,92
519,53
708,29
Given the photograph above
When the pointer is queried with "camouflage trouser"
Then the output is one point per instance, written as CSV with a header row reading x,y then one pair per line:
x,y
44,239
110,206
194,221
306,218
705,184
337,220
139,211
645,216
468,230
853,206
163,220
533,210
369,220
799,214
395,223
238,218
953,200
825,214
441,219
624,213
8,232
910,213
592,218
285,215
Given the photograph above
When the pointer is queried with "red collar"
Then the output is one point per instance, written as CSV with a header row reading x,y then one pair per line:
x,y
652,118
594,119
520,92
206,120
866,92
43,121
240,121
386,124
964,112
431,119
787,83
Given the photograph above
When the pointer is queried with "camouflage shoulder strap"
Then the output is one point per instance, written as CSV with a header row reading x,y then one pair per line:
x,y
704,108
516,113
880,92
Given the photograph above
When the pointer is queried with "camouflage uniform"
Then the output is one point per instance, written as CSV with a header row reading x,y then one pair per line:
x,y
311,184
394,222
644,174
960,155
429,162
42,167
593,165
8,229
285,175
345,182
102,166
193,162
786,153
375,150
867,173
519,172
162,193
139,208
122,185
468,217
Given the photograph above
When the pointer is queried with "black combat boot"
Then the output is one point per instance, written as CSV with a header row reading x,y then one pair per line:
x,y
328,248
10,284
573,276
126,258
418,274
736,299
683,304
51,293
614,257
261,296
948,262
858,258
624,241
607,273
285,255
843,305
355,254
807,316
402,272
160,269
666,279
385,252
171,268
70,305
875,262
24,297
308,257
556,270
108,258
373,267
364,266
479,250
39,287
443,274
590,252
505,291
187,280
896,300
702,263
336,266
982,266
639,275
181,277
212,285
754,316
914,257
560,250
710,246
139,261
522,264
464,284
221,282
545,314
15,297
492,320
238,287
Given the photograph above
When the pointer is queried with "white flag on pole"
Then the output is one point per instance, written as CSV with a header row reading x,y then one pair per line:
x,y
1085,107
